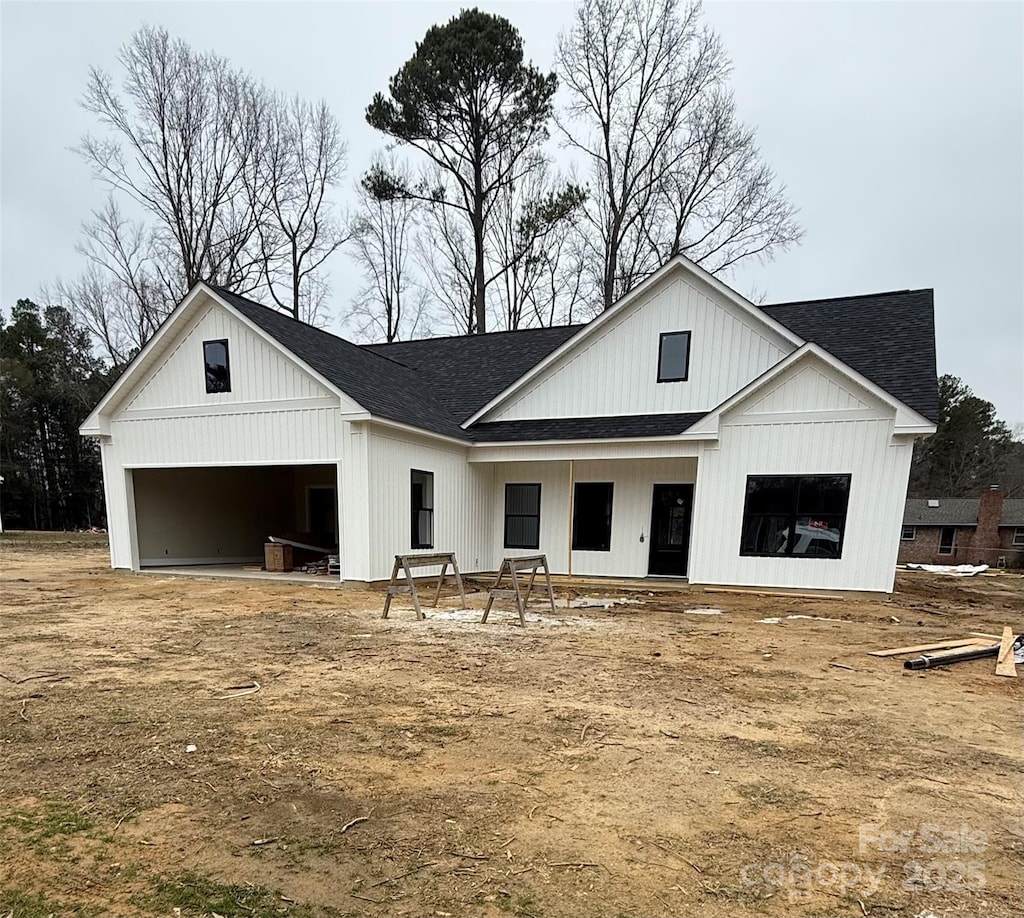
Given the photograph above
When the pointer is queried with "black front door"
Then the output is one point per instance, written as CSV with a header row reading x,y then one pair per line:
x,y
670,529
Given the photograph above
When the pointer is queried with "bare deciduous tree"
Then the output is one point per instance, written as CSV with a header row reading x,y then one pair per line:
x,y
179,139
673,169
231,179
532,235
391,304
301,155
444,251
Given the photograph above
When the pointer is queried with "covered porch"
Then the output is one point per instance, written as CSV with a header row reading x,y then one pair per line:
x,y
622,519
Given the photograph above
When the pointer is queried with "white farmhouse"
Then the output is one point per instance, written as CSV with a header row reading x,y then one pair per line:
x,y
684,432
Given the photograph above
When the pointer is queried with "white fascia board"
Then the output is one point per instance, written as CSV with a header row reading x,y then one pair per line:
x,y
96,421
417,431
915,430
918,424
674,438
673,266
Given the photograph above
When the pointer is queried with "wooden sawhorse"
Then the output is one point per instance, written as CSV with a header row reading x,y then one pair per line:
x,y
513,566
407,563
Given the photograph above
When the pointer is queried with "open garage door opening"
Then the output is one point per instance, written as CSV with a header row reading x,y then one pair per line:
x,y
225,515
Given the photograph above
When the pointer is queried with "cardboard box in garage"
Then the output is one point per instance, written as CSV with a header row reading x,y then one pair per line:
x,y
277,557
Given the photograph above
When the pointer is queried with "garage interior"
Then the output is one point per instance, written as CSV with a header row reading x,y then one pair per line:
x,y
225,515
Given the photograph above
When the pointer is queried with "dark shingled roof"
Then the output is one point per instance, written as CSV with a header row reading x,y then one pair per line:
x,y
602,428
437,383
888,337
957,511
468,371
383,386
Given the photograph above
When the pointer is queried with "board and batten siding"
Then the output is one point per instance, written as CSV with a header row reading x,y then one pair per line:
x,y
615,371
633,489
275,414
812,422
463,506
259,371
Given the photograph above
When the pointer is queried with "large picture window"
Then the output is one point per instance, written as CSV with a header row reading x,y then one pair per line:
x,y
422,509
795,515
592,516
218,371
522,516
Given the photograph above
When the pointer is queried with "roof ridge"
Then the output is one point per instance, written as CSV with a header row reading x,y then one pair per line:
x,y
475,336
852,296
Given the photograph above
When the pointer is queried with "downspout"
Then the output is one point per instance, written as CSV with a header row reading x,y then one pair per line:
x,y
572,508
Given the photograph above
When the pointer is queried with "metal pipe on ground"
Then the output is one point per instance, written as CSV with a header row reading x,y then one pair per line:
x,y
929,660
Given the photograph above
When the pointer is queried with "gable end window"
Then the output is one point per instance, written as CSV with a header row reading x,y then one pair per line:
x,y
522,516
674,357
802,516
592,516
908,534
422,501
218,370
1018,536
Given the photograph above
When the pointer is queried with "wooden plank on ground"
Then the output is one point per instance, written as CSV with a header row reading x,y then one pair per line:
x,y
779,593
985,634
1004,661
916,648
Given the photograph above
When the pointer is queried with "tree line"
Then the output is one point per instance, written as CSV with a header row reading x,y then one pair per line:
x,y
465,221
49,381
504,195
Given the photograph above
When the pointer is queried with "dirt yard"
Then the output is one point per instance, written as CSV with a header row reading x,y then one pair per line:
x,y
642,759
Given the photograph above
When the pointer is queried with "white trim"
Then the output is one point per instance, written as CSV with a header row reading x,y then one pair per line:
x,y
564,450
95,424
418,431
709,424
801,417
670,438
679,262
191,411
228,464
94,421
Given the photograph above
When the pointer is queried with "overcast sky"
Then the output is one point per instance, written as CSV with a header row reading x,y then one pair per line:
x,y
897,128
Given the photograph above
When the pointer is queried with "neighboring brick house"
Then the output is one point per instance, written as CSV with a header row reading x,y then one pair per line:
x,y
989,530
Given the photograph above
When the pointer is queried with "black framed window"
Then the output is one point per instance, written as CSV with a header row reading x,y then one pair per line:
x,y
522,516
422,500
800,516
592,516
1018,536
674,357
947,540
908,533
218,370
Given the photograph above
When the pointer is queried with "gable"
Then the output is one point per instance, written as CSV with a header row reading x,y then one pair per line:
x,y
810,386
259,371
887,337
614,371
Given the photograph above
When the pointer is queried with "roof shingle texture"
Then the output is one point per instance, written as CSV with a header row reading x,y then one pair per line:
x,y
437,383
958,511
601,428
